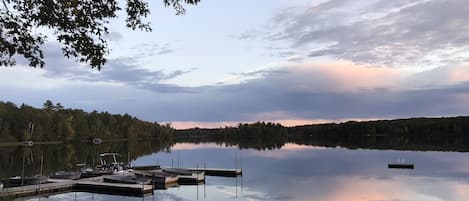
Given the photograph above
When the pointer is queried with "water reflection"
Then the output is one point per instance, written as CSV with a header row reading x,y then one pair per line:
x,y
309,173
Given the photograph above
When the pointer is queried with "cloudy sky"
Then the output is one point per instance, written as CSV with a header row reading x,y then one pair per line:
x,y
293,62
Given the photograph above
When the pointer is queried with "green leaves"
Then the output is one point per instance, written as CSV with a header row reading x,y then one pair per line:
x,y
80,25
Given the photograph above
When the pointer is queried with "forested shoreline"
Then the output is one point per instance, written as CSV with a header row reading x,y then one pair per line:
x,y
54,123
439,134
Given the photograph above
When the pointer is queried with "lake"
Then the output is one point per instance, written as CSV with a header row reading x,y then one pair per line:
x,y
300,172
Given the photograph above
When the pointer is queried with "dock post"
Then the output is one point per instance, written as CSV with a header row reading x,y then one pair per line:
x,y
236,160
22,172
143,185
40,174
128,159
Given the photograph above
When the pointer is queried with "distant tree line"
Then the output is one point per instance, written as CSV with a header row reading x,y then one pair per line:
x,y
54,123
445,134
259,135
450,133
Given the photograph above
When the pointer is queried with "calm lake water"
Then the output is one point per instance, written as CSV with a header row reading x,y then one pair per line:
x,y
298,172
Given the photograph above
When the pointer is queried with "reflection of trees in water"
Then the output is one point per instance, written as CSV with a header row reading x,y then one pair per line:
x,y
448,134
66,156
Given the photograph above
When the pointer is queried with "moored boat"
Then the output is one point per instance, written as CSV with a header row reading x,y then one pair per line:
x,y
95,173
23,181
28,143
158,176
66,175
126,179
97,141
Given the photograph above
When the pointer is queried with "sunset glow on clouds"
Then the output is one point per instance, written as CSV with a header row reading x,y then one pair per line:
x,y
292,62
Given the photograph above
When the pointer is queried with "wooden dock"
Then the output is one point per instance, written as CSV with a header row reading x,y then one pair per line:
x,y
219,172
96,184
48,188
146,167
137,190
93,185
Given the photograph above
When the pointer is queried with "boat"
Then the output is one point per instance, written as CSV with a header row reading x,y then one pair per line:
x,y
187,176
1,186
23,181
109,161
95,173
108,165
66,175
97,141
158,176
28,143
128,179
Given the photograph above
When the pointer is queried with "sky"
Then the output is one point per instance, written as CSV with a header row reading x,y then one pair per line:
x,y
293,62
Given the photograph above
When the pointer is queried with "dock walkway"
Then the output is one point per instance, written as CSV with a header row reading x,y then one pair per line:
x,y
94,185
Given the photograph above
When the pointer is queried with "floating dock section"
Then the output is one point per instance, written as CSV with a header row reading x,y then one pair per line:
x,y
96,184
219,172
400,166
48,188
114,188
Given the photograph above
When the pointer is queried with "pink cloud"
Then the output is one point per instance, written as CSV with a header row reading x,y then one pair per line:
x,y
343,76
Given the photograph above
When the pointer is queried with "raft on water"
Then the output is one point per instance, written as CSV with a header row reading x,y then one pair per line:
x,y
401,166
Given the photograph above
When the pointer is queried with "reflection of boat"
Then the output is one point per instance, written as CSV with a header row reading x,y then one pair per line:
x,y
25,181
129,179
66,175
401,166
1,186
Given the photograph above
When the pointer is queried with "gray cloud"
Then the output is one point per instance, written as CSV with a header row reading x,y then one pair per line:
x,y
260,72
152,49
291,93
400,32
308,96
120,70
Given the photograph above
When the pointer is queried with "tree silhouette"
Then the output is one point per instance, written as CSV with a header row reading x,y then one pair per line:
x,y
81,26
